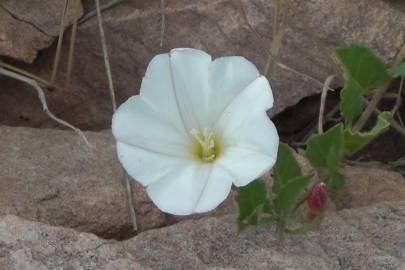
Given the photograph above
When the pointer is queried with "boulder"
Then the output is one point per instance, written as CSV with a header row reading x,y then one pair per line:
x,y
360,238
133,38
29,26
53,177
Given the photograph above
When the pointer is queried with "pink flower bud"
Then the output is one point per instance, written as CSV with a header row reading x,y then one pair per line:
x,y
317,199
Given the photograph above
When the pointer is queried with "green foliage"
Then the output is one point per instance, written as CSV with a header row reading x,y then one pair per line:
x,y
288,182
288,196
285,169
398,71
365,72
251,198
363,66
336,180
354,142
351,103
325,151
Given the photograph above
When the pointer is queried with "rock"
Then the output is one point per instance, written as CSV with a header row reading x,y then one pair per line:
x,y
361,238
29,26
52,177
28,245
365,186
133,36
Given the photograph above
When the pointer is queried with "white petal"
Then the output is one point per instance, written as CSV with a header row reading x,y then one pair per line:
x,y
179,191
245,164
257,132
190,73
229,76
147,167
255,98
216,190
158,91
249,137
137,123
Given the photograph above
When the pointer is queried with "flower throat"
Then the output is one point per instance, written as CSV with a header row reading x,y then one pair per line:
x,y
206,146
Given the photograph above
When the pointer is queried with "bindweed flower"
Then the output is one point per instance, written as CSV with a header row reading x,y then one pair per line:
x,y
196,127
317,199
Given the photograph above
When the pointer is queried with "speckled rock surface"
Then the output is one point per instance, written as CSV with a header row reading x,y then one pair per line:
x,y
28,26
52,177
216,26
360,238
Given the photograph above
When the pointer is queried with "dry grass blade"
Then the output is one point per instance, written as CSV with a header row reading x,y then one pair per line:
x,y
42,99
104,7
325,89
322,49
163,25
60,41
28,75
128,184
72,43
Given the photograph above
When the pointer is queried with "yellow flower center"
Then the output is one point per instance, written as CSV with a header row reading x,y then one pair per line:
x,y
206,147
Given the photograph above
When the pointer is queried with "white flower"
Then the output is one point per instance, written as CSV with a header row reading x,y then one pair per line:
x,y
196,127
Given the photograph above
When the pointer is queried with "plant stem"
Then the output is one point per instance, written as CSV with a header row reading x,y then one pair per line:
x,y
42,99
72,43
378,95
323,101
399,98
28,75
162,26
106,58
277,40
104,7
128,184
60,41
393,123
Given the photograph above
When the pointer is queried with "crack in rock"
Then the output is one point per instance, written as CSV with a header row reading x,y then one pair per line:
x,y
24,21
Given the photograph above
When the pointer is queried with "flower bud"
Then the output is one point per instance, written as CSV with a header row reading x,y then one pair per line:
x,y
317,199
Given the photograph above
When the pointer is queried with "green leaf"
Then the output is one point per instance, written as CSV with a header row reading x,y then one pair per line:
x,y
326,150
250,199
286,167
288,195
336,181
351,103
363,66
356,141
398,71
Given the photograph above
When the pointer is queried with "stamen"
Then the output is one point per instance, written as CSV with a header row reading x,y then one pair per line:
x,y
206,141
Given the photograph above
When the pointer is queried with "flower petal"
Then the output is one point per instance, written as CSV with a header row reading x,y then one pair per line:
x,y
245,164
179,191
158,91
249,137
190,74
196,188
146,166
256,132
216,190
255,98
229,76
136,123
